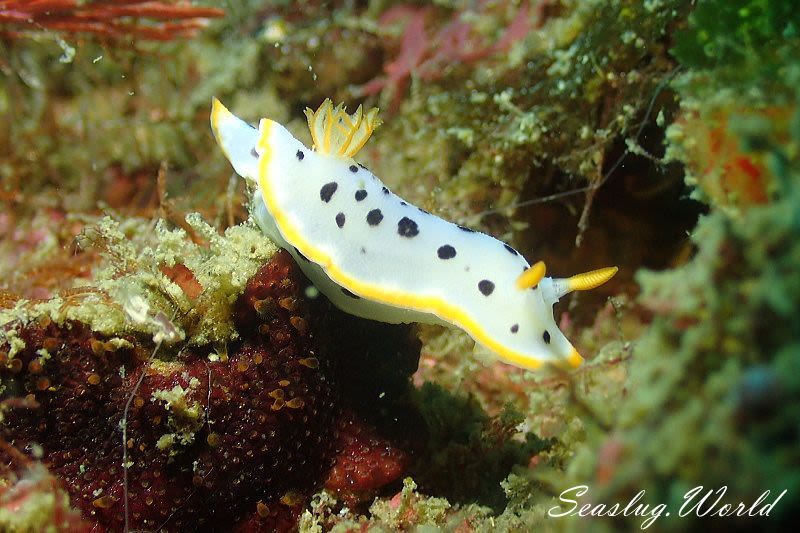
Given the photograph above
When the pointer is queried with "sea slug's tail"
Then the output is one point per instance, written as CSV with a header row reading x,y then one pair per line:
x,y
237,139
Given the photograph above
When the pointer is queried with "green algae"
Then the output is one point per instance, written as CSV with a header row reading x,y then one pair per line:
x,y
185,416
407,510
393,514
726,33
469,453
132,295
711,373
493,131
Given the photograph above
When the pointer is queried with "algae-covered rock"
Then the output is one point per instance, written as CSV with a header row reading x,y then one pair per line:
x,y
168,286
712,402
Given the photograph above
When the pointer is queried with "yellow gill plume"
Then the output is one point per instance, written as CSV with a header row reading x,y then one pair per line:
x,y
335,132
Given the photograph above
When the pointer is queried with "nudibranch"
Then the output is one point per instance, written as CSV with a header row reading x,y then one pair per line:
x,y
376,256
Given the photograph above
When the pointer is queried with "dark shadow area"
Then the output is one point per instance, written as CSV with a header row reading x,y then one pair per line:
x,y
468,452
640,217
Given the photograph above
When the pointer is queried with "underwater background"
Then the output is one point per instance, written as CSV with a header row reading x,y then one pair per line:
x,y
165,367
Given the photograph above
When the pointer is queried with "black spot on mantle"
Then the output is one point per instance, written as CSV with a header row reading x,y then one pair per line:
x,y
486,287
407,228
327,190
374,217
446,252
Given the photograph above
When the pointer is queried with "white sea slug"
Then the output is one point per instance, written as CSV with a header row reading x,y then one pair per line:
x,y
378,257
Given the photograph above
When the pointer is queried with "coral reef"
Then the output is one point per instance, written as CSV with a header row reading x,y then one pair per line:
x,y
659,135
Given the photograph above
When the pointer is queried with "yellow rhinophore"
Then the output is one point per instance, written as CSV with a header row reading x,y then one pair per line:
x,y
591,279
532,276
